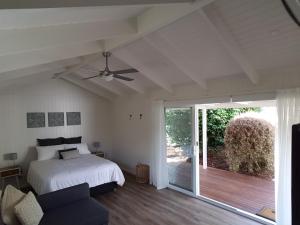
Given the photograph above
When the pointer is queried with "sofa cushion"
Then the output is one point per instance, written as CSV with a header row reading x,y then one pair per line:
x,y
28,210
64,197
83,212
11,197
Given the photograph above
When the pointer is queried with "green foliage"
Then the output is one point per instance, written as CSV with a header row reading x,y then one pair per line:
x,y
217,120
179,126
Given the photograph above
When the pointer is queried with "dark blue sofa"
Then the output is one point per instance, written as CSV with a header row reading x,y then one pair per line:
x,y
72,206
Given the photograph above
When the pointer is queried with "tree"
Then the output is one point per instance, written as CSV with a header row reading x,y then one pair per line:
x,y
179,126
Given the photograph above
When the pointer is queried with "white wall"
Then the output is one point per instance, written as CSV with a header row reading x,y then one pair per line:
x,y
50,96
132,139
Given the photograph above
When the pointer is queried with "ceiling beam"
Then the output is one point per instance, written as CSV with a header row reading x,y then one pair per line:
x,y
84,61
133,85
28,80
155,18
221,30
177,58
34,18
15,41
104,84
30,71
88,86
127,57
29,59
29,4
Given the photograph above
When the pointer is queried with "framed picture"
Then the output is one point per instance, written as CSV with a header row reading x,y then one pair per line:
x,y
73,118
56,119
35,119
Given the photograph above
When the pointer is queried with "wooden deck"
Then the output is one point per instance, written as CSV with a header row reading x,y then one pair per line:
x,y
245,192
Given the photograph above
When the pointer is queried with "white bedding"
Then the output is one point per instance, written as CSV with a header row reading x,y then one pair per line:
x,y
54,174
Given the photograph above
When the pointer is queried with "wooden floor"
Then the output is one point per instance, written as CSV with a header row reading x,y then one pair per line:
x,y
245,192
136,204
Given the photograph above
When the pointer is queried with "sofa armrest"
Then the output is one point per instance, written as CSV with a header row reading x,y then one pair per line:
x,y
64,197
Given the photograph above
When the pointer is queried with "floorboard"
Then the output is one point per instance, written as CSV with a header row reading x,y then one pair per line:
x,y
136,204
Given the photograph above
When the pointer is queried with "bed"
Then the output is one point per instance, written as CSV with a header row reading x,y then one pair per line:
x,y
55,174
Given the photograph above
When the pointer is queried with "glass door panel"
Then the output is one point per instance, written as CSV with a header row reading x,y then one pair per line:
x,y
180,147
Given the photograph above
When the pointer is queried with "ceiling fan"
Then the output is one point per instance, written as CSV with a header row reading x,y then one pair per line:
x,y
109,75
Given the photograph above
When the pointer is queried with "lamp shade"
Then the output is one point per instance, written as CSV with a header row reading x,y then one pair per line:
x,y
96,144
10,156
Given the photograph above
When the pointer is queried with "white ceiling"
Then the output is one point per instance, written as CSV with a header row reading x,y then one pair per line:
x,y
264,31
171,44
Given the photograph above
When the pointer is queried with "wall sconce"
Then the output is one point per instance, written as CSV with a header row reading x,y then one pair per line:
x,y
141,116
130,116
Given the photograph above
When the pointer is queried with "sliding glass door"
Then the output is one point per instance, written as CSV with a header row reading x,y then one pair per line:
x,y
182,148
220,184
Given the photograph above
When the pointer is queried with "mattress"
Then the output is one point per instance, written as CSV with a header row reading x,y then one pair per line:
x,y
55,174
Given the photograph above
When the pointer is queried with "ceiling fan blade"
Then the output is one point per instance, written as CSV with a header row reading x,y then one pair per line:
x,y
85,70
122,77
125,71
56,75
87,78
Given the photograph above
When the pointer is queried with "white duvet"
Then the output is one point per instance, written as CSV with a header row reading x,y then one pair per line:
x,y
54,174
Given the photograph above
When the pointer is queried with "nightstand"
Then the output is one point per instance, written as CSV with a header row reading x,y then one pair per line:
x,y
14,171
99,154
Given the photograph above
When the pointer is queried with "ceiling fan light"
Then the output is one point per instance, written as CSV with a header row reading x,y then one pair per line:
x,y
106,73
109,78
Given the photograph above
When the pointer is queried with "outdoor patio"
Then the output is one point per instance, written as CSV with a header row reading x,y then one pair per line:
x,y
245,192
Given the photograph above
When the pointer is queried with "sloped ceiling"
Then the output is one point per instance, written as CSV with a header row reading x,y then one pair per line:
x,y
171,45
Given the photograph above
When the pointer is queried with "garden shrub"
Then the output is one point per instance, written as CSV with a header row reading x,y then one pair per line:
x,y
249,145
217,120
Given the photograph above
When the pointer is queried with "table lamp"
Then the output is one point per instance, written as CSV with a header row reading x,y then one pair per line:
x,y
97,145
11,157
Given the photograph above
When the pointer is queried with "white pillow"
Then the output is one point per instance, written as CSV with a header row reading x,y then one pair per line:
x,y
48,152
11,197
70,154
82,148
29,211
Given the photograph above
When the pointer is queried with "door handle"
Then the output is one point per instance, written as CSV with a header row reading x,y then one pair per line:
x,y
196,150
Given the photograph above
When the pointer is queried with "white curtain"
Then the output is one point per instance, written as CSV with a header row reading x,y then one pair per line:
x,y
159,170
288,105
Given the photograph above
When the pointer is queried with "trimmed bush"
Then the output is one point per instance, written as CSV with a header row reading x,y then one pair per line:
x,y
217,120
249,145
